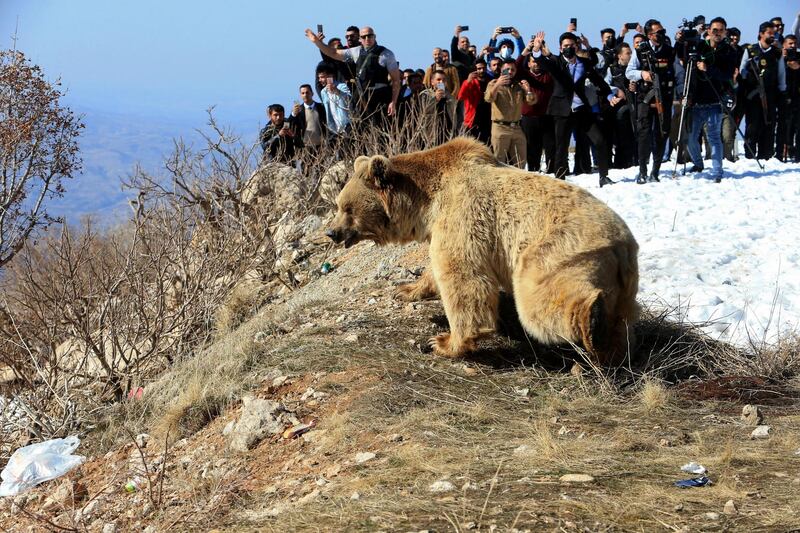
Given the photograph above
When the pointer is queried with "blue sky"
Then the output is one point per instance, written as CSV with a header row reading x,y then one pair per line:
x,y
175,58
145,71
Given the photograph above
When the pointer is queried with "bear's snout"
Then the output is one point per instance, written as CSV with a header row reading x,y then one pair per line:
x,y
348,236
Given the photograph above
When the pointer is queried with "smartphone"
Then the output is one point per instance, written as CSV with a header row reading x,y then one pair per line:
x,y
319,28
631,25
505,72
464,28
440,86
574,21
506,29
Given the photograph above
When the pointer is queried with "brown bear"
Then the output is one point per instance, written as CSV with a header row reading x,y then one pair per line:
x,y
569,261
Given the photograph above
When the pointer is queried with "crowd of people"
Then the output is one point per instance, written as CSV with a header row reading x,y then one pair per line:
x,y
623,104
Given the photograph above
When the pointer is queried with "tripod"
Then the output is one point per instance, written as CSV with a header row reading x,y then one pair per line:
x,y
684,100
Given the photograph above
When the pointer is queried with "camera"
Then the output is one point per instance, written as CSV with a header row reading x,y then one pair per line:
x,y
690,37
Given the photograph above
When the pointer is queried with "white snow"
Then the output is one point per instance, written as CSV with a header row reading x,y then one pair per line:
x,y
725,255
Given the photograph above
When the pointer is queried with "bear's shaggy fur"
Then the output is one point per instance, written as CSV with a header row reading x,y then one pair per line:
x,y
569,261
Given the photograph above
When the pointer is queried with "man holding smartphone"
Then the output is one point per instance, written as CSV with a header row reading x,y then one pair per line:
x,y
439,106
507,97
377,72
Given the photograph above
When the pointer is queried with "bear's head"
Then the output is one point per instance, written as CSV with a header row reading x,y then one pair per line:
x,y
370,205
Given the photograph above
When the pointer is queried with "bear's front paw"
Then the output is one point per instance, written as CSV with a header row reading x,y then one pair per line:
x,y
441,346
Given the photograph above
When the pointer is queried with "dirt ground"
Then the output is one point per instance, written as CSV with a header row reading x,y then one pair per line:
x,y
399,440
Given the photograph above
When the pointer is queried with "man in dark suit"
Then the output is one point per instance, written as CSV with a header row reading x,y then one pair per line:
x,y
569,105
310,120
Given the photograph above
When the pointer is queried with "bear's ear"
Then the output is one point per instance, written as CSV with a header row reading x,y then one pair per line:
x,y
379,167
361,163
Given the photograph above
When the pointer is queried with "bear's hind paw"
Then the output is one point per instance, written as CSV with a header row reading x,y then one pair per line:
x,y
442,346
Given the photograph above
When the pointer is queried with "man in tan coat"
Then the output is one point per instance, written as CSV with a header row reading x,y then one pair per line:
x,y
507,97
451,80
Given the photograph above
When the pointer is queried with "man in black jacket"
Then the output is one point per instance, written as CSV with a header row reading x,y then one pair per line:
x,y
279,138
763,73
653,59
310,120
569,105
712,86
460,56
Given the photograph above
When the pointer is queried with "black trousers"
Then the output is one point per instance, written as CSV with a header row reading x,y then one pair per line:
x,y
539,135
759,134
621,131
652,137
581,120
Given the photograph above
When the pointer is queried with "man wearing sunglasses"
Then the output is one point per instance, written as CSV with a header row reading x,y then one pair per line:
x,y
377,72
712,86
653,57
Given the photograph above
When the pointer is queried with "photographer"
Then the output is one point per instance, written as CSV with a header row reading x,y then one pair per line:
x,y
763,74
653,60
477,111
569,105
714,64
460,54
375,66
439,107
507,97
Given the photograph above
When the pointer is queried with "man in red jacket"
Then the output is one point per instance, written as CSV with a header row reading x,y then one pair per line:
x,y
477,112
536,123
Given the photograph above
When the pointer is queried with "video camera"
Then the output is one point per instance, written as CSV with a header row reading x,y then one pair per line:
x,y
690,36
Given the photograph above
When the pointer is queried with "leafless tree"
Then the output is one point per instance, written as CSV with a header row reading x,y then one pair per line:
x,y
38,150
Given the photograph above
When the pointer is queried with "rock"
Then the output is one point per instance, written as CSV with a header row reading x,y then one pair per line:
x,y
564,431
519,450
332,182
712,516
355,496
280,380
110,528
471,525
395,437
352,337
91,508
730,508
363,457
576,478
259,418
554,420
761,432
385,270
441,486
522,391
150,529
372,301
228,428
665,443
678,507
142,439
751,415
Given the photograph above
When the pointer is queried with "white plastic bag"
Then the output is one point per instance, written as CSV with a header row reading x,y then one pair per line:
x,y
38,463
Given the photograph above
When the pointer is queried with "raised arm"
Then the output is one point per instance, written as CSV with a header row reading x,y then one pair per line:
x,y
328,50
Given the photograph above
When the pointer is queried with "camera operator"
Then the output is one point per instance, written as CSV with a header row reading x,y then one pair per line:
x,y
620,115
507,97
714,63
569,105
652,60
763,74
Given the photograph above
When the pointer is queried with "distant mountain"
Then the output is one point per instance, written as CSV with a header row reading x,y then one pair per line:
x,y
111,145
